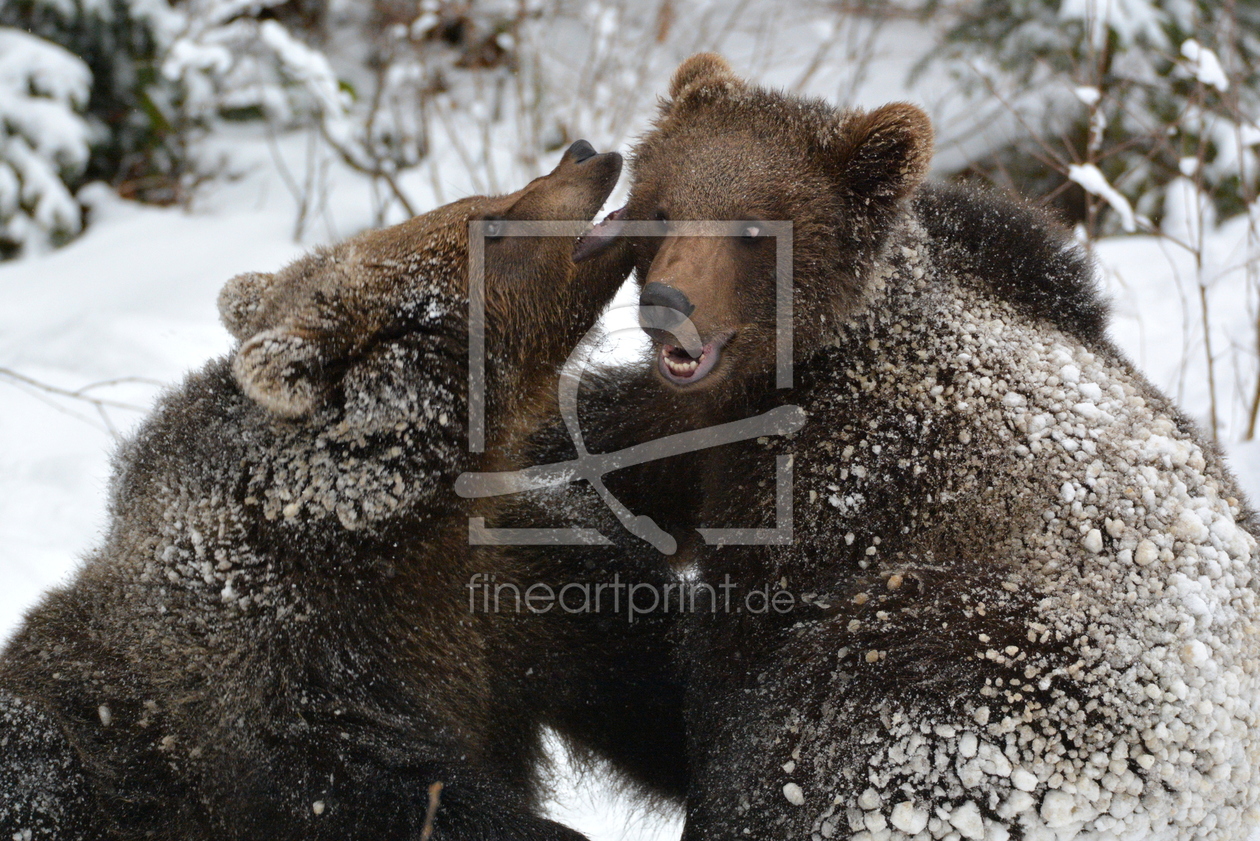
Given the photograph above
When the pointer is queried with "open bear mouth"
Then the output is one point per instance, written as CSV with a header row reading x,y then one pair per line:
x,y
681,368
599,237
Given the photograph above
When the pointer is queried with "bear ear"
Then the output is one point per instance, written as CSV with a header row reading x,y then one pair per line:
x,y
885,153
240,300
284,372
701,70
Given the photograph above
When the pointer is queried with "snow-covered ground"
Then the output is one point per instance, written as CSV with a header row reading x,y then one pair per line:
x,y
131,304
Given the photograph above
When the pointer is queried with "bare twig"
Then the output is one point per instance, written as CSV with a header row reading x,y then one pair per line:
x,y
41,391
53,404
1207,348
81,393
300,196
376,169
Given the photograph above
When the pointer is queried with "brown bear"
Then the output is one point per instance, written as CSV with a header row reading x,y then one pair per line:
x,y
274,640
1012,592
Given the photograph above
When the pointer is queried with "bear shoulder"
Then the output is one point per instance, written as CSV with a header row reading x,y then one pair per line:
x,y
1019,253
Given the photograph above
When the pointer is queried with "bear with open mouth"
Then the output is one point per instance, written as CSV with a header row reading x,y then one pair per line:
x,y
1017,597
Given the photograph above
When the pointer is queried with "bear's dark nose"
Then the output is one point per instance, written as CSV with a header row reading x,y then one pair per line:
x,y
581,150
663,315
659,295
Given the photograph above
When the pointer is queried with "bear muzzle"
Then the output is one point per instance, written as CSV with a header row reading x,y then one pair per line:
x,y
665,315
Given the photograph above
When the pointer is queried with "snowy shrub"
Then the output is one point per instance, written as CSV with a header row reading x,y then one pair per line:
x,y
494,85
371,90
482,34
43,141
1117,99
138,142
233,59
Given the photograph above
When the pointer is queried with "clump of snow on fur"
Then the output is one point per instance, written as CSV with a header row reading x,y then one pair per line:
x,y
1124,703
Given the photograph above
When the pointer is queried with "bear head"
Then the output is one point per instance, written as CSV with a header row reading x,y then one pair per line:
x,y
722,150
330,325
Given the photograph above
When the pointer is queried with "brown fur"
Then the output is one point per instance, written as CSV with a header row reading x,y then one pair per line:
x,y
274,640
746,161
1000,564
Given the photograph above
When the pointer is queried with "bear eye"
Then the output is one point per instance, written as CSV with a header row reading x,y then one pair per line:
x,y
494,227
751,231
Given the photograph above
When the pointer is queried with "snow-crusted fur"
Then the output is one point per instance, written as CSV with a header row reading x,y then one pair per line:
x,y
1024,585
43,793
274,640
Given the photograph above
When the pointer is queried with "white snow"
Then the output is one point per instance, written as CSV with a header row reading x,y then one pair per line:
x,y
1023,779
909,819
1204,64
1088,94
967,820
1056,809
1091,178
1129,19
42,86
1188,212
33,65
307,66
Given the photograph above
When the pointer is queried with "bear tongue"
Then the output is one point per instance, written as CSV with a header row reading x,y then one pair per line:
x,y
601,236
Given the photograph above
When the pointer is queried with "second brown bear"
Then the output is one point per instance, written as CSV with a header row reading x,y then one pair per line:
x,y
1017,595
275,640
